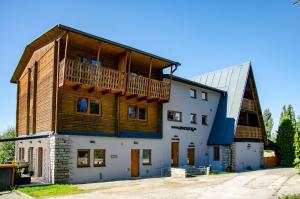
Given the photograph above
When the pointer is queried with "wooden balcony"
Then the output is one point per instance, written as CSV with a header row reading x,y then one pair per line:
x,y
248,105
87,76
248,132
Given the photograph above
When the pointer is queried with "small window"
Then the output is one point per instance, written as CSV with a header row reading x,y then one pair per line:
x,y
204,96
147,157
204,120
84,59
21,154
99,157
216,153
142,113
193,93
132,112
83,158
94,106
82,105
193,118
174,116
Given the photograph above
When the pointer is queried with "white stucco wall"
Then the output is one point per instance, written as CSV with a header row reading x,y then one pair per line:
x,y
182,102
215,165
118,158
248,156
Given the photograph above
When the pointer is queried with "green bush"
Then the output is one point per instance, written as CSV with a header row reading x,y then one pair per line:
x,y
290,196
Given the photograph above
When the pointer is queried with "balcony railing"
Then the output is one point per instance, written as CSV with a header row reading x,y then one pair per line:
x,y
73,72
248,132
248,105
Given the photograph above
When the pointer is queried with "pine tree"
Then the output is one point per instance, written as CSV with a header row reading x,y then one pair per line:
x,y
268,121
297,150
285,140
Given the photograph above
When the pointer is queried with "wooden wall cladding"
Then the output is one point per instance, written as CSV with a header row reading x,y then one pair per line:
x,y
150,125
45,90
22,105
70,120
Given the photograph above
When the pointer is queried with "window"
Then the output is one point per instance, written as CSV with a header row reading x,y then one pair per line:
x,y
132,112
83,158
146,157
174,116
94,106
216,153
142,113
99,157
193,118
82,105
193,93
89,106
204,96
21,153
135,112
204,120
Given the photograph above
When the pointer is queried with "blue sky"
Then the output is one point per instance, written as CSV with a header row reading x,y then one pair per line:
x,y
201,35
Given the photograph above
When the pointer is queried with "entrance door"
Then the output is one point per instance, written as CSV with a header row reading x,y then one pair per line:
x,y
191,156
174,158
40,162
135,162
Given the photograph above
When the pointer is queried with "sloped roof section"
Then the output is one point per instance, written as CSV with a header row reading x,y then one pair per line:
x,y
232,80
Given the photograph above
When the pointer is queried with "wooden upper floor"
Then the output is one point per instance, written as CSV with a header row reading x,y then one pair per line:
x,y
65,65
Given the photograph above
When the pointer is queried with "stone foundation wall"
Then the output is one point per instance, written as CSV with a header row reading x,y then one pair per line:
x,y
228,156
60,158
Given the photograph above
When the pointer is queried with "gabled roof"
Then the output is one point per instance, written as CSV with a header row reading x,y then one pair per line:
x,y
233,80
57,31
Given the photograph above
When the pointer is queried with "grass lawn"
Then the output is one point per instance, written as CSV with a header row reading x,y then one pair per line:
x,y
292,196
50,191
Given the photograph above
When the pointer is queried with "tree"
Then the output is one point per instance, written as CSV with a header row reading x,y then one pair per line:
x,y
268,121
285,140
297,150
7,149
288,111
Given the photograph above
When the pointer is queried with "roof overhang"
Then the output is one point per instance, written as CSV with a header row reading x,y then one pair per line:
x,y
58,30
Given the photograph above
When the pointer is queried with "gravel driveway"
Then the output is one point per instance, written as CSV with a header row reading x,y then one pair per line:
x,y
269,183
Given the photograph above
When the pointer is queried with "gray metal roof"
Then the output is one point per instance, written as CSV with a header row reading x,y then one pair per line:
x,y
232,80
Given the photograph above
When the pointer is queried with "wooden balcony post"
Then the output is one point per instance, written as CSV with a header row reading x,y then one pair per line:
x,y
98,54
127,76
149,80
66,47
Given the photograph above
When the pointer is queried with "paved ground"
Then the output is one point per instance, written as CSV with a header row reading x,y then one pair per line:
x,y
269,183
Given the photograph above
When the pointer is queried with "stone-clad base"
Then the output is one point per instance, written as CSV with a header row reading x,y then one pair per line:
x,y
60,158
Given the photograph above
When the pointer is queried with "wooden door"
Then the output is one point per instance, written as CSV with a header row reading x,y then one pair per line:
x,y
40,162
135,162
175,147
191,156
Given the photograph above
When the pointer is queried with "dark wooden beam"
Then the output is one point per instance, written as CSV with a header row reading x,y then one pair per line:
x,y
131,96
141,98
106,91
152,100
77,86
92,89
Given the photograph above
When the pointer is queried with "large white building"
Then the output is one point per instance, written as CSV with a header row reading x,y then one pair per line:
x,y
90,109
